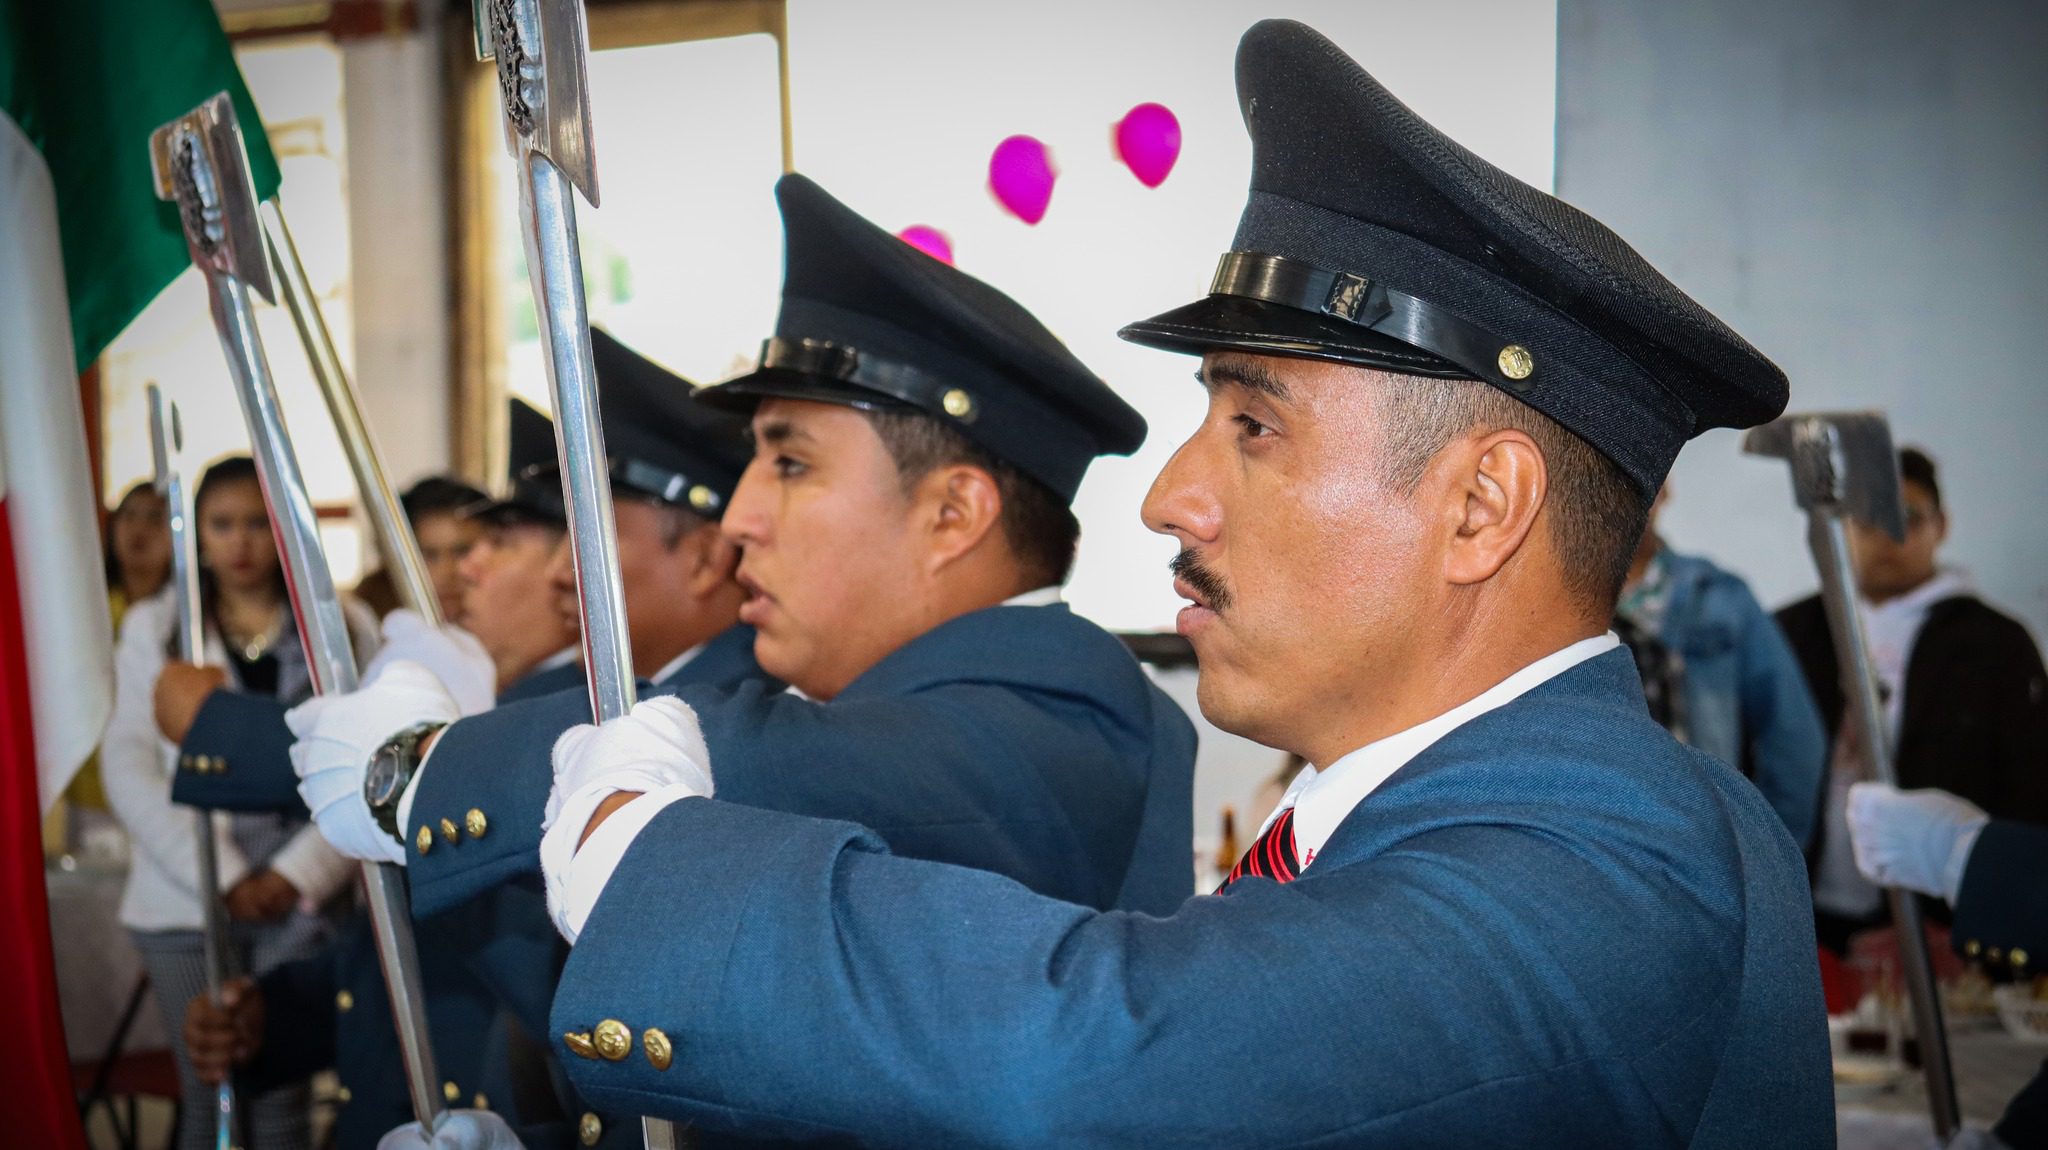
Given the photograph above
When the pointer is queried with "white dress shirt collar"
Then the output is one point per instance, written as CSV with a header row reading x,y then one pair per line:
x,y
1043,597
561,658
1322,799
676,664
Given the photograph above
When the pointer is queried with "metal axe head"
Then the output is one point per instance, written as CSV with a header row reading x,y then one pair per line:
x,y
200,165
159,441
1842,463
541,50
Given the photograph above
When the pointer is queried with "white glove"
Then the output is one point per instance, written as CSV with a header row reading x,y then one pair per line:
x,y
1916,840
459,1130
657,746
337,734
453,655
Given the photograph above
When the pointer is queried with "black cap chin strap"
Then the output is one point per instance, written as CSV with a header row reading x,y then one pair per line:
x,y
1376,307
888,378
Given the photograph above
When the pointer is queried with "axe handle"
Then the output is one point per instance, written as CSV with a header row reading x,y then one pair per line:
x,y
1852,652
323,630
395,539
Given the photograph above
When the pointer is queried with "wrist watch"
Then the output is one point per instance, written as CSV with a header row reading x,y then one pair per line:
x,y
391,769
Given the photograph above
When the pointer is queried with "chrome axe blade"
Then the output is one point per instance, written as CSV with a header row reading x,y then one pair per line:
x,y
540,47
201,166
1841,461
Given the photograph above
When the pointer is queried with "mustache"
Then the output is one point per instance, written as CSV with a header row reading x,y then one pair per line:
x,y
1205,583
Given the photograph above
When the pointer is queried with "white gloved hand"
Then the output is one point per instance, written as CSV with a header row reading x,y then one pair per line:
x,y
454,656
337,734
459,1130
656,744
1916,840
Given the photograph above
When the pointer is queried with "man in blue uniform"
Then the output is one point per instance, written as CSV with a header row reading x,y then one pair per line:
x,y
1506,909
905,527
491,961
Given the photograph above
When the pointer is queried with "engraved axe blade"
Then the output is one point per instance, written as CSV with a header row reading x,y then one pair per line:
x,y
541,49
200,165
1842,463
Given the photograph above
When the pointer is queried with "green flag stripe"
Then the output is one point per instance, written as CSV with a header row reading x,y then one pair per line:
x,y
88,81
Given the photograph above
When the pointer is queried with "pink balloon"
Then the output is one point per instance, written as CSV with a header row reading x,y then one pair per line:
x,y
1148,142
930,241
1020,173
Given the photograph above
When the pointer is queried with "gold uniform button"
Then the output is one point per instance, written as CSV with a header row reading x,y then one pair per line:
x,y
1972,948
579,1044
957,403
344,1001
343,1095
480,1101
425,839
450,1091
448,830
659,1053
475,823
2018,957
1516,362
590,1129
612,1039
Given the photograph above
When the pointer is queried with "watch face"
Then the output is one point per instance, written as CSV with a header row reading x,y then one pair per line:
x,y
381,781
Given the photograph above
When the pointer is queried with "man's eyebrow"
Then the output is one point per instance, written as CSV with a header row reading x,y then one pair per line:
x,y
778,431
1248,374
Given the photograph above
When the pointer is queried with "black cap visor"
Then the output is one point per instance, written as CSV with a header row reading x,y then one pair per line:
x,y
1260,327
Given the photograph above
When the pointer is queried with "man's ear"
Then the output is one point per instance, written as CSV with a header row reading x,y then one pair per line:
x,y
711,559
1497,484
959,505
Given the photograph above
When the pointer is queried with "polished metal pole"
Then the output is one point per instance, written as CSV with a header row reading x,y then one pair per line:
x,y
540,50
1852,652
201,166
166,439
395,539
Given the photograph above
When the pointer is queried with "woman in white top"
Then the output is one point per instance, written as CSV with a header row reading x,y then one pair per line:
x,y
281,882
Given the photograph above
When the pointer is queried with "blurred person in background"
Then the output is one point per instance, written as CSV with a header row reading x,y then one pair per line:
x,y
1965,695
439,508
278,875
1719,674
137,547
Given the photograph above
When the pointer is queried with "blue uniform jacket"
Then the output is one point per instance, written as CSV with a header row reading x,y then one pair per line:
x,y
236,755
1554,927
1020,740
1746,700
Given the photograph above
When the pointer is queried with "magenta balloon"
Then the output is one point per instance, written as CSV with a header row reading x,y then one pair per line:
x,y
930,241
1148,142
1020,173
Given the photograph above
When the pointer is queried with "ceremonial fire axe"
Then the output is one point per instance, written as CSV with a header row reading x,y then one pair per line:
x,y
1844,467
200,165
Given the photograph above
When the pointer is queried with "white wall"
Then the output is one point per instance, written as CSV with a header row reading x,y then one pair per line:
x,y
1861,190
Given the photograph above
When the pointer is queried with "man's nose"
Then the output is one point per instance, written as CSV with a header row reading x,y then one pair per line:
x,y
1181,501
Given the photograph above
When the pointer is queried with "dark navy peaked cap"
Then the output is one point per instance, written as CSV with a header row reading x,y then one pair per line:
x,y
873,322
1371,238
662,446
535,491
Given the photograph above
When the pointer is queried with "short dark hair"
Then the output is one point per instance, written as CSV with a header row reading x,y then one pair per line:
x,y
1916,466
1597,517
440,495
1038,525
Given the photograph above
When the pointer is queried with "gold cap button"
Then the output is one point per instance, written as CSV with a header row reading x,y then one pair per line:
x,y
448,829
590,1129
703,498
344,1001
1516,362
579,1044
450,1091
957,403
475,823
341,1093
612,1039
424,840
659,1052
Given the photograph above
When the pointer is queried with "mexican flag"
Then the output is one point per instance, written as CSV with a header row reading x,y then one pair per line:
x,y
84,246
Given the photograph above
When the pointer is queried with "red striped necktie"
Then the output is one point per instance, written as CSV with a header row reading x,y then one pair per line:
x,y
1271,857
